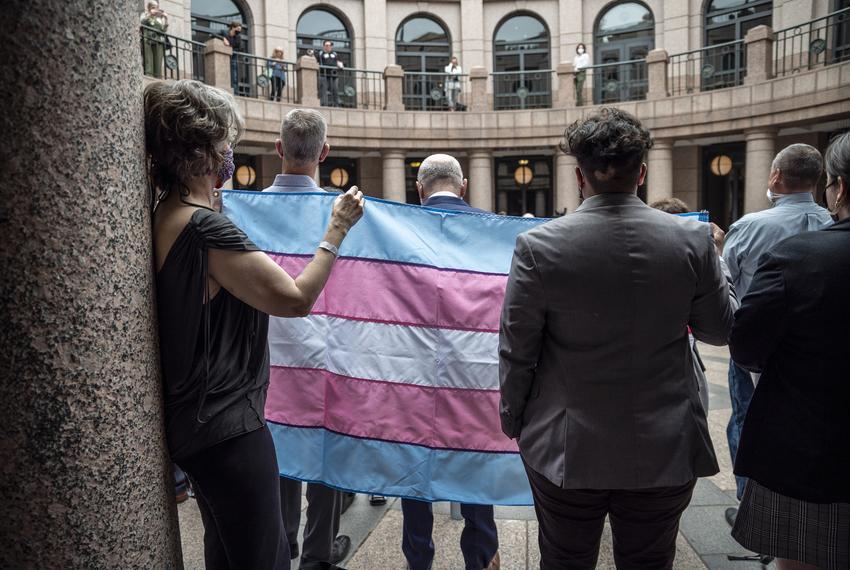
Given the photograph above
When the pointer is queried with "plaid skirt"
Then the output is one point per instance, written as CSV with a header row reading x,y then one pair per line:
x,y
817,534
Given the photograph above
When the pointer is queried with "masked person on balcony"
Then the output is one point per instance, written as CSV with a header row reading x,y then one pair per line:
x,y
231,40
155,21
580,62
453,73
215,292
329,66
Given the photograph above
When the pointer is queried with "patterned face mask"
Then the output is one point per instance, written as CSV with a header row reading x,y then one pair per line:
x,y
225,172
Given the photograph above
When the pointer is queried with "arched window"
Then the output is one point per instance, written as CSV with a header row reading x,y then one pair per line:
x,y
624,32
522,77
317,25
211,19
423,49
728,21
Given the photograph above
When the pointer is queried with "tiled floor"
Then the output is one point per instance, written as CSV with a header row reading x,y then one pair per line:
x,y
704,540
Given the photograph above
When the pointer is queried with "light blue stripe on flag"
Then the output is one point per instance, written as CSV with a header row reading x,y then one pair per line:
x,y
295,223
397,469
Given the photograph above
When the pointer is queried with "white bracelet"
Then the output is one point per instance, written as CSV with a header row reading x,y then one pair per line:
x,y
327,246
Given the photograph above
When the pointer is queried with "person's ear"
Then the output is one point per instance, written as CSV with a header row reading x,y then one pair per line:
x,y
463,188
278,146
324,154
642,175
775,178
841,190
421,191
580,178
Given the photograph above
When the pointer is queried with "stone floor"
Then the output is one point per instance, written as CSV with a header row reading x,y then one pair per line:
x,y
704,540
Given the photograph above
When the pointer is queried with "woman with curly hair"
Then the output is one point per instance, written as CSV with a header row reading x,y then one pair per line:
x,y
215,290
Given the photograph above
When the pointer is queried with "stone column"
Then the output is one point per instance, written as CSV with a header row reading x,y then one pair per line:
x,y
86,480
656,64
566,85
660,171
393,88
761,149
217,64
478,87
480,189
394,188
759,43
566,194
307,81
472,33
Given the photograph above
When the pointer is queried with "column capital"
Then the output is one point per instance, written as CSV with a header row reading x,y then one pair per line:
x,y
662,144
306,62
478,72
761,133
392,153
657,55
480,153
759,33
393,71
217,64
565,67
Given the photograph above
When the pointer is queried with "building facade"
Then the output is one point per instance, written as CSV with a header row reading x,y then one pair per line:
x,y
722,84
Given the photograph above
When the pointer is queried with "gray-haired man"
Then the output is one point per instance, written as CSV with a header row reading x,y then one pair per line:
x,y
302,146
441,184
794,177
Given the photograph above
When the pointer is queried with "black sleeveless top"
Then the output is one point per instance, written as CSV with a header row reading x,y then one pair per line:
x,y
215,357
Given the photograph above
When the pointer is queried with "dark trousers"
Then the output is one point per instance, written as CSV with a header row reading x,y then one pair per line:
x,y
323,509
644,523
741,390
277,88
236,487
479,540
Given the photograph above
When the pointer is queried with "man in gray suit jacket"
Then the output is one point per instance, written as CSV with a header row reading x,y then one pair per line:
x,y
597,377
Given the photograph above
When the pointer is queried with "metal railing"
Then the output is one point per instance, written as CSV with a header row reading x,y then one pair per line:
x,y
522,89
435,91
351,88
168,57
615,82
264,78
822,41
708,68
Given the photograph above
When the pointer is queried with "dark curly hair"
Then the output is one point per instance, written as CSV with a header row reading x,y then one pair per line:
x,y
187,125
609,147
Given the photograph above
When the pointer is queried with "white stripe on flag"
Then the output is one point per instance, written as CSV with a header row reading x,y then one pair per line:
x,y
423,356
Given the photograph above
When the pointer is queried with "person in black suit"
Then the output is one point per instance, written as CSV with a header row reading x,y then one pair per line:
x,y
441,184
793,327
329,66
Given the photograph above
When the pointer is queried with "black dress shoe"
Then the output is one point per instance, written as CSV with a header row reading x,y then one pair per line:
x,y
293,550
342,544
731,514
377,500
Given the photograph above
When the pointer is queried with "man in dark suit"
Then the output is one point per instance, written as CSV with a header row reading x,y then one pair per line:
x,y
441,184
597,377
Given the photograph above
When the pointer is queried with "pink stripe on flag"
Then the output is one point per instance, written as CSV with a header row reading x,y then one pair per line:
x,y
447,418
407,294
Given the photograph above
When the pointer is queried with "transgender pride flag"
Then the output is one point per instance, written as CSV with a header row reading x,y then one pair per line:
x,y
391,385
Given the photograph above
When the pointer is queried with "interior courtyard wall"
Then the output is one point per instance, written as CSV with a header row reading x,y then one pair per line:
x,y
447,13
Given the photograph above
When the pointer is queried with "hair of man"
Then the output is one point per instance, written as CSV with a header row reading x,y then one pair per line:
x,y
303,134
671,206
800,166
440,172
610,146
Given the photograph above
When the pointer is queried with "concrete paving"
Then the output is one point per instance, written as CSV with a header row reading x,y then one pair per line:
x,y
704,540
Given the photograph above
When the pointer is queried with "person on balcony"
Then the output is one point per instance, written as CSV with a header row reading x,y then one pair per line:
x,y
580,62
278,71
231,40
453,71
329,66
155,21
